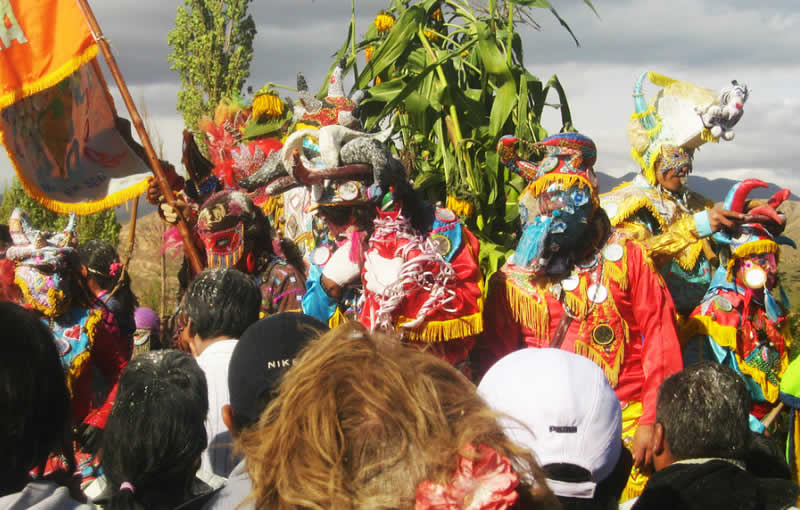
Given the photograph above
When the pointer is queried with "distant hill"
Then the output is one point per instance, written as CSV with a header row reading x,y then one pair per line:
x,y
715,189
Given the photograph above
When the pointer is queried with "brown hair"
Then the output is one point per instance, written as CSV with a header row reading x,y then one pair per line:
x,y
360,420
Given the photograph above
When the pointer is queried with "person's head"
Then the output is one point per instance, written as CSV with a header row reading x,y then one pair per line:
x,y
672,167
156,431
34,401
147,335
220,303
361,421
235,233
101,266
264,352
702,411
561,407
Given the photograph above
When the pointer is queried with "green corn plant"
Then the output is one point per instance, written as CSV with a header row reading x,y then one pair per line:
x,y
450,74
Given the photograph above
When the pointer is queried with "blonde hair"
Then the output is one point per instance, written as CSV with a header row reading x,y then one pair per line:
x,y
360,420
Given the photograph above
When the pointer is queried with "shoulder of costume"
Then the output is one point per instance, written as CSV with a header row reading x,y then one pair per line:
x,y
626,201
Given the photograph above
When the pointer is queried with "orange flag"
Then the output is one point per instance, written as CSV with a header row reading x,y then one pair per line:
x,y
41,43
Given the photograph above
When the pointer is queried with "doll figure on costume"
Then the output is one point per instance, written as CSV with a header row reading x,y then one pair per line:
x,y
576,284
674,223
93,352
739,323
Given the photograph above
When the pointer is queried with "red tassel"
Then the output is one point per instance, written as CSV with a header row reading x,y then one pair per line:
x,y
357,247
251,263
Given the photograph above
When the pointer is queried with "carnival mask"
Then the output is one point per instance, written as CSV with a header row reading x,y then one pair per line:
x,y
553,223
224,248
758,271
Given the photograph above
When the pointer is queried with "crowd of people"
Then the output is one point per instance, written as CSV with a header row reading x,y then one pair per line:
x,y
344,348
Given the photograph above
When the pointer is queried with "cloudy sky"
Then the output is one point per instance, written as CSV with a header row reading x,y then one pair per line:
x,y
708,42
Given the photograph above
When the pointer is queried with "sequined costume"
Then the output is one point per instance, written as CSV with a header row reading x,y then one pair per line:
x,y
739,323
674,226
576,284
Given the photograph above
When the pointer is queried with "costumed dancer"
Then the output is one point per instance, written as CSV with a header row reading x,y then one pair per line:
x,y
87,336
576,284
657,208
739,323
396,262
235,233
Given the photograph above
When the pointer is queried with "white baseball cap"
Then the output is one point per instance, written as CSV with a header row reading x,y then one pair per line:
x,y
561,407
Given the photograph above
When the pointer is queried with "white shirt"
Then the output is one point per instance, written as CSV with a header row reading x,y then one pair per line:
x,y
214,360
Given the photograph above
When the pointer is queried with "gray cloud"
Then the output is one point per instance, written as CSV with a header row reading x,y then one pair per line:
x,y
707,42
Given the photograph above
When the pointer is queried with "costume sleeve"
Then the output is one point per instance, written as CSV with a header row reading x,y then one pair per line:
x,y
282,289
316,302
654,313
501,334
674,239
110,353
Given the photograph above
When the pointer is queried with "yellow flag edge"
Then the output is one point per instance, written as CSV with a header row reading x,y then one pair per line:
x,y
82,208
51,79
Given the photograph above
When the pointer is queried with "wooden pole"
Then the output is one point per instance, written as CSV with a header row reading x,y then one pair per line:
x,y
188,246
770,417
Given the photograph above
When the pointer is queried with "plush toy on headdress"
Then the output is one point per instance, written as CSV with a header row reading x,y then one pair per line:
x,y
740,323
681,117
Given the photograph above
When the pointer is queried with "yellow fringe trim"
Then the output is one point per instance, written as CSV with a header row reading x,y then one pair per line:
x,y
460,207
81,208
80,361
566,180
528,310
638,116
53,296
706,136
618,271
750,249
51,80
610,370
726,337
270,205
629,208
578,303
444,331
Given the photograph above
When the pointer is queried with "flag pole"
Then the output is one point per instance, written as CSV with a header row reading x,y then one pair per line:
x,y
188,246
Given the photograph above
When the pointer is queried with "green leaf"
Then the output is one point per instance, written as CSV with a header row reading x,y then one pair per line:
x,y
504,102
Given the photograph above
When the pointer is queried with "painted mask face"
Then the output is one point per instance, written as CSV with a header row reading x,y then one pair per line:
x,y
759,271
224,248
553,223
44,289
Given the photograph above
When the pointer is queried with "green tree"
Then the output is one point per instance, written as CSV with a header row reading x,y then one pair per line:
x,y
102,225
212,46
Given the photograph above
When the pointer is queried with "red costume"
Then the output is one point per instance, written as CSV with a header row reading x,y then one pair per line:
x,y
631,335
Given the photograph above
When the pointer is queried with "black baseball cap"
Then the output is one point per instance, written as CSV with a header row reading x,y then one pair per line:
x,y
264,352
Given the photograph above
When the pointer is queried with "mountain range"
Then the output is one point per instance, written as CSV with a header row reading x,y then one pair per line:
x,y
715,189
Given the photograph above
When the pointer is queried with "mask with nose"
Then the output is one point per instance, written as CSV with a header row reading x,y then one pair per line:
x,y
559,202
